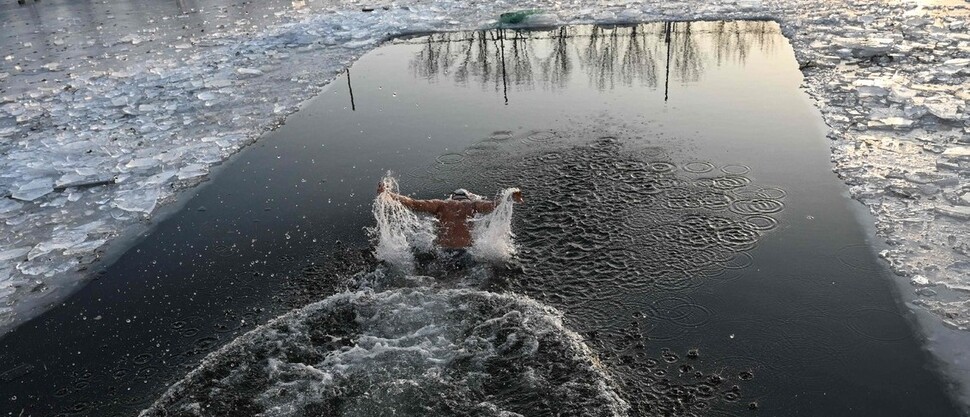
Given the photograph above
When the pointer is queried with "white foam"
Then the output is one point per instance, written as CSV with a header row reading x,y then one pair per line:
x,y
438,345
399,230
492,233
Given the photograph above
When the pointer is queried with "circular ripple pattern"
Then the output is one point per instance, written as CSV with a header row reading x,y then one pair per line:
x,y
451,158
541,137
857,257
698,167
631,216
761,222
735,169
878,325
757,206
603,220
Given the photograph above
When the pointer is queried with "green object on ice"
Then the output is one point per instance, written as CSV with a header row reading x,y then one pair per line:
x,y
512,18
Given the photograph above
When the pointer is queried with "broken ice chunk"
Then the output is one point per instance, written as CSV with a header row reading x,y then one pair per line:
x,y
14,253
891,123
206,96
59,241
249,71
218,83
957,152
956,212
67,179
7,205
160,178
865,47
143,201
192,171
33,190
925,177
45,267
958,62
872,88
5,290
142,163
919,281
953,66
900,94
944,107
872,91
96,226
78,181
86,247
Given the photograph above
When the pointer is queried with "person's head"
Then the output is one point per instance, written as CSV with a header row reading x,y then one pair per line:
x,y
462,194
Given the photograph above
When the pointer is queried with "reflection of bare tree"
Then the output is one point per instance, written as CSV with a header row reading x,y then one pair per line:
x,y
734,40
612,56
639,61
521,58
557,66
599,56
686,61
621,54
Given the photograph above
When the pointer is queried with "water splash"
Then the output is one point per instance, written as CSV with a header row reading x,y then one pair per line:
x,y
407,352
398,231
492,233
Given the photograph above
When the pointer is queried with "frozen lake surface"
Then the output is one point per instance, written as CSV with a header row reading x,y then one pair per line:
x,y
668,265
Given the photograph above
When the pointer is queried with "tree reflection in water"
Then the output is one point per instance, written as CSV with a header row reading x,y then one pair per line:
x,y
611,56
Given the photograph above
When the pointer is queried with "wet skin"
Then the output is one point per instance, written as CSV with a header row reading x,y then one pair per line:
x,y
452,215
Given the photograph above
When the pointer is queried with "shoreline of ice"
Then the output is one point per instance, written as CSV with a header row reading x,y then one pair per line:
x,y
94,151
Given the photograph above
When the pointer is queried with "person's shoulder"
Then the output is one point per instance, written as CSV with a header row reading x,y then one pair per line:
x,y
482,205
437,203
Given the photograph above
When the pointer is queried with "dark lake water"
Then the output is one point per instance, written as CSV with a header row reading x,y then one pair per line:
x,y
681,214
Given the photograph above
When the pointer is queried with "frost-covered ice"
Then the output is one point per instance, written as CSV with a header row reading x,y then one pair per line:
x,y
157,105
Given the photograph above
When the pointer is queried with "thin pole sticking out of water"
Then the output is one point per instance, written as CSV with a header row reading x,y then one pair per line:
x,y
667,29
350,86
505,86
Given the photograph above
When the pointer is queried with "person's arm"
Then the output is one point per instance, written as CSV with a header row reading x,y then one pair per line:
x,y
426,206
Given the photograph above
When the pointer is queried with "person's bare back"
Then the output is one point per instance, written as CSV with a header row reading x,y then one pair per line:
x,y
453,214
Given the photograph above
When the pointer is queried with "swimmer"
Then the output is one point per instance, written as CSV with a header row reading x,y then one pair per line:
x,y
453,214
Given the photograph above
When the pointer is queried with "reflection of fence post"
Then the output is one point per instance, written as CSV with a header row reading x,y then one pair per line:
x,y
667,29
353,107
505,86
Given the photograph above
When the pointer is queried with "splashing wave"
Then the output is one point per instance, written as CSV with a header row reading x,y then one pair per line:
x,y
405,352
